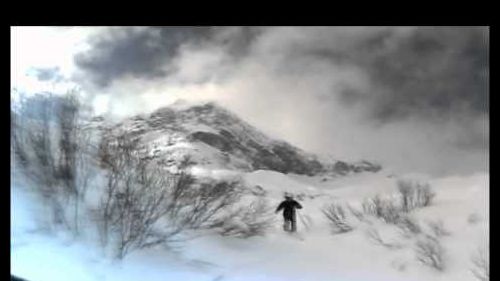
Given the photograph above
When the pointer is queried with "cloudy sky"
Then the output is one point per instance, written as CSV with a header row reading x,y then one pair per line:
x,y
411,98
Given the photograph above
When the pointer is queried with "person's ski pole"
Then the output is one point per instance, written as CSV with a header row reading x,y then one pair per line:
x,y
303,221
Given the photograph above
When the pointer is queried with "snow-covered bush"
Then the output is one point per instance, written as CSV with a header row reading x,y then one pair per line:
x,y
430,252
414,194
337,218
480,264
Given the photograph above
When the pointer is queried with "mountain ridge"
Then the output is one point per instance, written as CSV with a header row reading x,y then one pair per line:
x,y
212,135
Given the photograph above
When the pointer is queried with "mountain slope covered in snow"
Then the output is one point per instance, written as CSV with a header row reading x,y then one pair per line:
x,y
215,137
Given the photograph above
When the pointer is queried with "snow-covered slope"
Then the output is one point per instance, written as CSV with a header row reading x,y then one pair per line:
x,y
216,138
224,147
461,203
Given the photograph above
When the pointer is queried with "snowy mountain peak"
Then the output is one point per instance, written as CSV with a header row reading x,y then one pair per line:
x,y
216,137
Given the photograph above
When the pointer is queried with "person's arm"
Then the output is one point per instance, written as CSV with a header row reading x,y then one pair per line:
x,y
297,205
281,206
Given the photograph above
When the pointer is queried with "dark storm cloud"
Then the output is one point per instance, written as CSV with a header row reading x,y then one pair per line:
x,y
427,72
433,72
413,97
148,52
426,85
141,53
237,41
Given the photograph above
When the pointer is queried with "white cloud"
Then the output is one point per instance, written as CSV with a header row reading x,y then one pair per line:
x,y
45,47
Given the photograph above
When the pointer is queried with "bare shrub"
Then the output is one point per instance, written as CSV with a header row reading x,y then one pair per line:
x,y
337,218
385,209
144,205
409,226
406,190
414,194
481,265
201,206
137,207
247,221
356,213
373,206
391,212
135,199
430,252
374,236
47,140
19,137
33,145
75,153
138,198
437,228
424,195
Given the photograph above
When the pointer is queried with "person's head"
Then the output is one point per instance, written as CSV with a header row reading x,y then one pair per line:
x,y
288,196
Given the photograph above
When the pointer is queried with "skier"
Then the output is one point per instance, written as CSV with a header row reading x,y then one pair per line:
x,y
289,206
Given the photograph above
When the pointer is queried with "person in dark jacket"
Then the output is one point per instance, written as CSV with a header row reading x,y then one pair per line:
x,y
288,206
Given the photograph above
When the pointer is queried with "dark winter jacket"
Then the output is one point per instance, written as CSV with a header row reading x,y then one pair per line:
x,y
289,207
